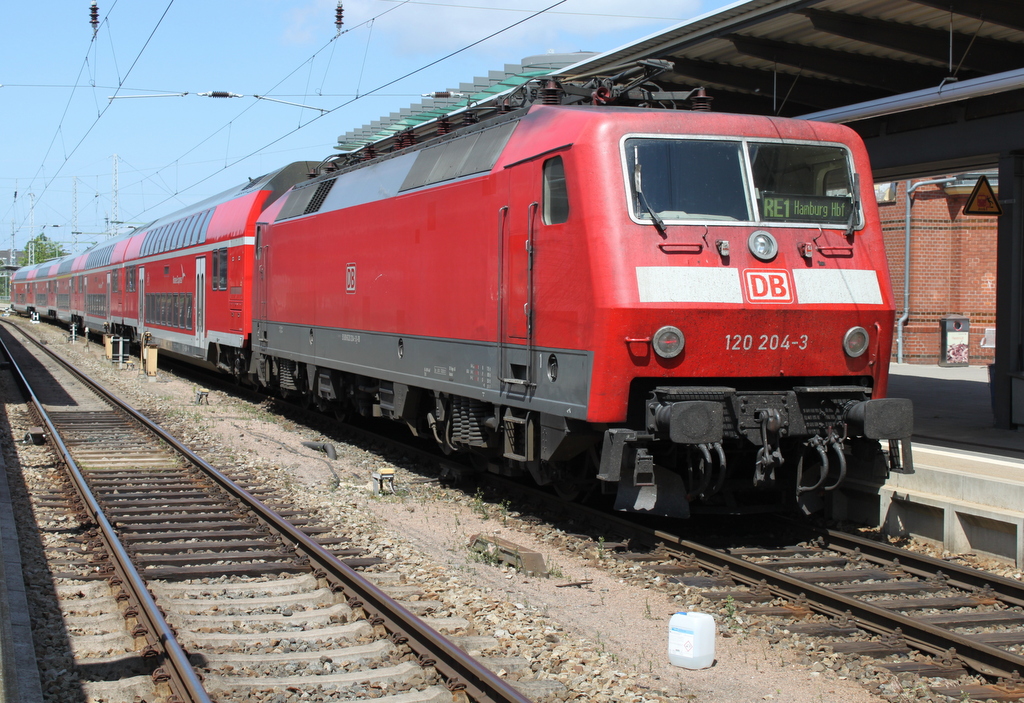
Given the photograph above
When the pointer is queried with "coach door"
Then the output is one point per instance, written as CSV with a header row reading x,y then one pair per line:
x,y
141,288
200,306
262,260
518,252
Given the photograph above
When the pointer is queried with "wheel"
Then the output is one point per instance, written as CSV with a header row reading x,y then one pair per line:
x,y
576,479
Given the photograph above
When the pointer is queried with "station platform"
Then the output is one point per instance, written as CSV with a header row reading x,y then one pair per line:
x,y
967,489
19,675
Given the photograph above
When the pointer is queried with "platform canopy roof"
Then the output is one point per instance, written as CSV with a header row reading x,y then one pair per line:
x,y
798,58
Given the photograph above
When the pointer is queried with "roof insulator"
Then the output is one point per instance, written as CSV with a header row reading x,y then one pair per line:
x,y
700,101
551,93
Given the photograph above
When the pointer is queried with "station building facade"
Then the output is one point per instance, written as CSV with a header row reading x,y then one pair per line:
x,y
952,270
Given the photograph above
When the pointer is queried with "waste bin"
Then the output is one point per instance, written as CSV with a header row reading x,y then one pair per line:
x,y
954,340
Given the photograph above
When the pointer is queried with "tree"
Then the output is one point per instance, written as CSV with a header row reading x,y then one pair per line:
x,y
41,248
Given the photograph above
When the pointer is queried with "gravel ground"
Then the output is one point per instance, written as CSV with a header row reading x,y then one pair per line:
x,y
605,640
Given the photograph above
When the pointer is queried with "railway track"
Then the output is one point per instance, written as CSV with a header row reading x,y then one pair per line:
x,y
915,614
223,594
880,601
899,605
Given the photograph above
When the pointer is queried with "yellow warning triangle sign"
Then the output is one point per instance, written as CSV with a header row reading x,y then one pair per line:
x,y
983,200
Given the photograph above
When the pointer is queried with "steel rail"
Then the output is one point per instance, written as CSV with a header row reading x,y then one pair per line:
x,y
1007,590
929,638
462,671
185,679
981,657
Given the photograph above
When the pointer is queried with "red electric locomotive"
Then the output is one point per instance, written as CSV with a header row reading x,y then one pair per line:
x,y
687,310
682,308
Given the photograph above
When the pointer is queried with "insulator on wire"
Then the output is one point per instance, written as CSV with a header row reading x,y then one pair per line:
x,y
339,17
444,94
94,17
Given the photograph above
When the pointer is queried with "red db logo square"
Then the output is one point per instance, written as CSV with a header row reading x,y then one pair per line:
x,y
768,286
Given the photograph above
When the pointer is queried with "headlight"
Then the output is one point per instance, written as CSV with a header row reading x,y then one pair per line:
x,y
763,245
668,342
856,341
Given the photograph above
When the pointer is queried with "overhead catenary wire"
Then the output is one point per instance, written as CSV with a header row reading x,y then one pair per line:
x,y
227,126
172,189
102,112
374,91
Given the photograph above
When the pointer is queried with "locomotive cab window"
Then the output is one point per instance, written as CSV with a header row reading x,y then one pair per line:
x,y
735,180
803,183
687,179
556,195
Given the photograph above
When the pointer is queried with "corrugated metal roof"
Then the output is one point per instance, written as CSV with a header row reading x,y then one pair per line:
x,y
793,57
779,57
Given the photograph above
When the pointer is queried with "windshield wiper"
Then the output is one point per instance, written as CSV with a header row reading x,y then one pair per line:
x,y
658,222
854,202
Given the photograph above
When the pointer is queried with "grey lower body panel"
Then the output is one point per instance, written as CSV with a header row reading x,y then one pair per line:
x,y
555,381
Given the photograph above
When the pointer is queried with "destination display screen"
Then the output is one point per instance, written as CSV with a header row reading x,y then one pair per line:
x,y
805,208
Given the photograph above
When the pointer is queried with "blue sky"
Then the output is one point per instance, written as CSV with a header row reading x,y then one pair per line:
x,y
61,130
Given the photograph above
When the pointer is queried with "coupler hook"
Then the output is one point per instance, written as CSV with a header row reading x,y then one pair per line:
x,y
767,457
706,466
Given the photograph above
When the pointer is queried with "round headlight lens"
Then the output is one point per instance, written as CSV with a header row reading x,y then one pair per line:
x,y
763,245
668,342
856,341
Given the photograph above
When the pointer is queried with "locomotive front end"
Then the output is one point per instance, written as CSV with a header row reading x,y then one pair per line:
x,y
755,326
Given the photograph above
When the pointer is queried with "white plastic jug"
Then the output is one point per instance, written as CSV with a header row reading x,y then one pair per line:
x,y
691,640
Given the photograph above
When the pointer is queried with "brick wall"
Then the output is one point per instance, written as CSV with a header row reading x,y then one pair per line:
x,y
952,270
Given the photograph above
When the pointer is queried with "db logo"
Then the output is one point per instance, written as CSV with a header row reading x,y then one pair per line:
x,y
768,286
350,278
